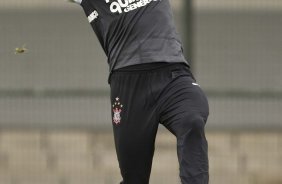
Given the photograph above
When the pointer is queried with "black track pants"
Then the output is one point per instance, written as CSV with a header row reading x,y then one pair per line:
x,y
140,101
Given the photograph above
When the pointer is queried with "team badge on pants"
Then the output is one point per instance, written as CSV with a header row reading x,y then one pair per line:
x,y
117,108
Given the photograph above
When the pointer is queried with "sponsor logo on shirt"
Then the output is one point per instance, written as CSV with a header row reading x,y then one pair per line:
x,y
94,15
124,6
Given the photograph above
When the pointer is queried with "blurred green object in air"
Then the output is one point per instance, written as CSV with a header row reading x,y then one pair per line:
x,y
20,50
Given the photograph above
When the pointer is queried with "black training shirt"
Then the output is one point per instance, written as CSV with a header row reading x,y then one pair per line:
x,y
134,31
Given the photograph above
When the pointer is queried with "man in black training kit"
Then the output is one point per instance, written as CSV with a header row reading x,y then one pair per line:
x,y
151,83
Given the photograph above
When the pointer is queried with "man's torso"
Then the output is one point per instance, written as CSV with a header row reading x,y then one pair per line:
x,y
134,32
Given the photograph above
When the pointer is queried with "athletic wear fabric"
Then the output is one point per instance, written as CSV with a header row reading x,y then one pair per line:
x,y
134,31
166,94
150,84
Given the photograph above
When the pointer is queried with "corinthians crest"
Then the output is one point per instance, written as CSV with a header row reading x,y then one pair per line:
x,y
117,108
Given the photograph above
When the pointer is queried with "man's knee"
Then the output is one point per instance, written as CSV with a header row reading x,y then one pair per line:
x,y
188,124
197,123
194,123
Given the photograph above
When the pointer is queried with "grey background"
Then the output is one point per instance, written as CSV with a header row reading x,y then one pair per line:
x,y
55,124
61,81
